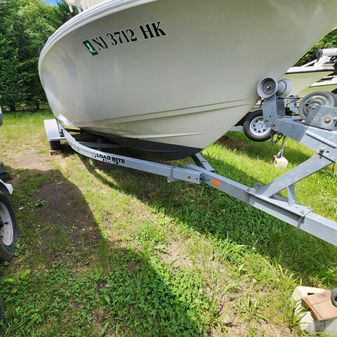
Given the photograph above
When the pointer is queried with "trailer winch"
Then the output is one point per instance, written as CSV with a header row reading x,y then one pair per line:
x,y
318,109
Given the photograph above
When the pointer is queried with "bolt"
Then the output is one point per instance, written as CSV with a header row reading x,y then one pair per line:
x,y
327,119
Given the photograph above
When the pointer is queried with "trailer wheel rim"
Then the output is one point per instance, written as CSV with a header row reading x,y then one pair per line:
x,y
258,127
6,226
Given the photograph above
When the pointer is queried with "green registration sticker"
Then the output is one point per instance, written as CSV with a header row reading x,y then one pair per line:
x,y
90,47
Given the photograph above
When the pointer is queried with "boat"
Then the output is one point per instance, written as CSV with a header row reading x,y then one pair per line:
x,y
328,83
82,5
171,77
302,77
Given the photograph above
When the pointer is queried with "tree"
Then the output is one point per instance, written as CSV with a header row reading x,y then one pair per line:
x,y
63,13
24,28
10,85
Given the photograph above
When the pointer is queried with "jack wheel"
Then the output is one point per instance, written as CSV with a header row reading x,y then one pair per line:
x,y
255,128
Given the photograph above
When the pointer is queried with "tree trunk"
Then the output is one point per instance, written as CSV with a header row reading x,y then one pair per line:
x,y
12,107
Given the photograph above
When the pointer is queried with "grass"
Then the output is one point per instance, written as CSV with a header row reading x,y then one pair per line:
x,y
106,251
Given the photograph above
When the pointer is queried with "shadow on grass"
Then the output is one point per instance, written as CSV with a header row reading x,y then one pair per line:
x,y
223,218
262,150
78,282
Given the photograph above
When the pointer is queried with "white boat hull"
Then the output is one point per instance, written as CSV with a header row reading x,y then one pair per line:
x,y
181,89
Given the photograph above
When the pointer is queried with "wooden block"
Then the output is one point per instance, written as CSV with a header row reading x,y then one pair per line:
x,y
321,306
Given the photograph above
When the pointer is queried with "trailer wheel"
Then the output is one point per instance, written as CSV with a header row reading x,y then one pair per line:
x,y
255,128
55,145
8,229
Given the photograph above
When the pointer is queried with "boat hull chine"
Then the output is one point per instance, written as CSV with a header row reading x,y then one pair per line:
x,y
157,150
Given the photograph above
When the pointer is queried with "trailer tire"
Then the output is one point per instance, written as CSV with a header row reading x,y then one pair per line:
x,y
9,232
255,128
55,145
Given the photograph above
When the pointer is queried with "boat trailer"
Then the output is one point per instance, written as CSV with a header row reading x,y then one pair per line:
x,y
318,132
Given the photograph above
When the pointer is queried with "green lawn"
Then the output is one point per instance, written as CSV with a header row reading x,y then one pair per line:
x,y
106,251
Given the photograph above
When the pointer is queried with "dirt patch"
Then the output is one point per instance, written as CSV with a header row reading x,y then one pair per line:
x,y
260,329
62,205
69,220
30,160
176,255
233,144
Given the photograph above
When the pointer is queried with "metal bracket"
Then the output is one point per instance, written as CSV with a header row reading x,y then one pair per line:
x,y
53,130
322,141
202,162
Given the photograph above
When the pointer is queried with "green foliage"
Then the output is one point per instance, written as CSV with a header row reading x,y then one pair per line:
x,y
329,41
139,298
63,13
24,28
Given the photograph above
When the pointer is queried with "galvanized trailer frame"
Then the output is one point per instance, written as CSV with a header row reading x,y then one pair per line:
x,y
265,198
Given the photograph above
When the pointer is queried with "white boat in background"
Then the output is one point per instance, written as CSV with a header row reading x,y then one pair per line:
x,y
302,77
171,77
82,5
328,83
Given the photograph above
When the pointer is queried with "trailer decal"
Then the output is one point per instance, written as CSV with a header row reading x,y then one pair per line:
x,y
109,159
